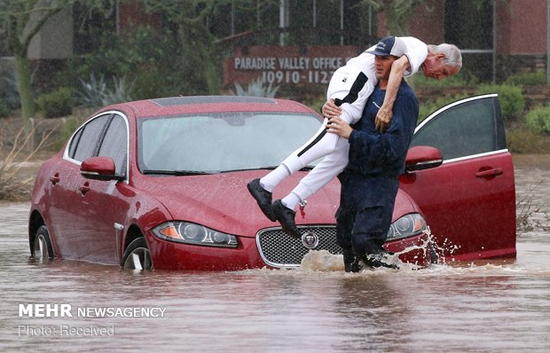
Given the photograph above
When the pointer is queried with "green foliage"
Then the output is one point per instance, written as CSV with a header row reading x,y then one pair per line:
x,y
8,89
156,64
4,109
96,92
461,79
431,105
512,102
14,185
19,28
398,13
57,103
120,56
317,103
152,82
536,78
538,119
256,88
522,140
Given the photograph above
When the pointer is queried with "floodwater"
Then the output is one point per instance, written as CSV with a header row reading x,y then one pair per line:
x,y
497,307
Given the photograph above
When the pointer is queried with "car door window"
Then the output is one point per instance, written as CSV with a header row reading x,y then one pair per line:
x,y
115,144
74,142
468,127
85,142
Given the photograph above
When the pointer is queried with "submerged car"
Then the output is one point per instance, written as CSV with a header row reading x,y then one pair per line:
x,y
161,184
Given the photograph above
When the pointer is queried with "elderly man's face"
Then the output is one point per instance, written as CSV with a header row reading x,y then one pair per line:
x,y
433,67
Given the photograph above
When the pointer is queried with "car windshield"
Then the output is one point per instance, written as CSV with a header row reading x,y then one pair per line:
x,y
221,142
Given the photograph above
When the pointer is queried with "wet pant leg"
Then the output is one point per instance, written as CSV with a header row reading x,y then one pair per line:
x,y
370,229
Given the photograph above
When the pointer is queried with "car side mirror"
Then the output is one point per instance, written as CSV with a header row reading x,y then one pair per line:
x,y
422,157
99,168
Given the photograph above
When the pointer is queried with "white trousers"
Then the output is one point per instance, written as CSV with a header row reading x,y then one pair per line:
x,y
350,88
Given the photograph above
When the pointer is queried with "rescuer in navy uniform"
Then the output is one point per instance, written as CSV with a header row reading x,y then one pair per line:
x,y
371,179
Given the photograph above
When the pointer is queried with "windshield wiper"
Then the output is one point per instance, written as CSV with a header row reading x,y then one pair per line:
x,y
307,167
175,172
247,169
200,172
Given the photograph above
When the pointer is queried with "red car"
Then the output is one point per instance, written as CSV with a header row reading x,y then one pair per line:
x,y
161,184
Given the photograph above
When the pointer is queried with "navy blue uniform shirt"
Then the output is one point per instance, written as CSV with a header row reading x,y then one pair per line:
x,y
377,159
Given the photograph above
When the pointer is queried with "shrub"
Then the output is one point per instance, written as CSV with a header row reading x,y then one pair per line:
x,y
5,110
461,79
92,91
13,185
511,99
156,65
151,82
522,140
431,105
57,103
538,120
536,78
8,89
316,103
96,92
256,88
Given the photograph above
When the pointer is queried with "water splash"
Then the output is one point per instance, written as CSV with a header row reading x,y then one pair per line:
x,y
324,261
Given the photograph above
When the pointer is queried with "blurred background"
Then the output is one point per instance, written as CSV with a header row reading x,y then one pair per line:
x,y
65,58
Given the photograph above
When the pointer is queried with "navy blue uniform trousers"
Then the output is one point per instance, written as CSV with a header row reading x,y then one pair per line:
x,y
371,180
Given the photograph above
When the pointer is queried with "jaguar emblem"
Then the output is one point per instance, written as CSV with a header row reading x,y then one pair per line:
x,y
310,240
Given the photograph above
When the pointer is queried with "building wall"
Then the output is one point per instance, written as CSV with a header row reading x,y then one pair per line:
x,y
522,27
55,39
428,22
521,36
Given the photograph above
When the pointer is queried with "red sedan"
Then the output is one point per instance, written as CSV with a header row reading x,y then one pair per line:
x,y
161,184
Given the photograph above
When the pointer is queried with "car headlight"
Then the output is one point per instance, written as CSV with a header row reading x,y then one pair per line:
x,y
407,226
192,233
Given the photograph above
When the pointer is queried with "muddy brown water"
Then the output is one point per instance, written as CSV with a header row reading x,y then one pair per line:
x,y
67,306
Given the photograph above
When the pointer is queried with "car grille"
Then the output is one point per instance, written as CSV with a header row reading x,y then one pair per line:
x,y
278,249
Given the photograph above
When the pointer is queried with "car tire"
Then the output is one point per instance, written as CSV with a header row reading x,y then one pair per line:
x,y
137,256
41,245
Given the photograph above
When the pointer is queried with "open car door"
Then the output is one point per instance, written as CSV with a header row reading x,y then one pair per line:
x,y
468,201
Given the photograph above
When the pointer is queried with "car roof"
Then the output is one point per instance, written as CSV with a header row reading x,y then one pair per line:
x,y
209,104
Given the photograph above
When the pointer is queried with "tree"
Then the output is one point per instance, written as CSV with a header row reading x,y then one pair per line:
x,y
190,18
21,21
398,13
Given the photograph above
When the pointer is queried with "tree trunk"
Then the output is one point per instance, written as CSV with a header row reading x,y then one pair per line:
x,y
25,86
212,74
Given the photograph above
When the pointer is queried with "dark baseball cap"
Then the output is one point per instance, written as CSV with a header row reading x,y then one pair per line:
x,y
389,46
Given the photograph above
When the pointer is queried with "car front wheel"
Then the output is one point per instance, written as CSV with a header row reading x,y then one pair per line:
x,y
137,256
41,246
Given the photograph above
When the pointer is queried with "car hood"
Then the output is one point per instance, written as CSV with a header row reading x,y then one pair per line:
x,y
222,201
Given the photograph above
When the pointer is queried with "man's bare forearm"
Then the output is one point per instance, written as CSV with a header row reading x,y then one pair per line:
x,y
384,116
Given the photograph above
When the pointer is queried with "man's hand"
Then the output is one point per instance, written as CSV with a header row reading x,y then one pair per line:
x,y
330,109
383,119
339,127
